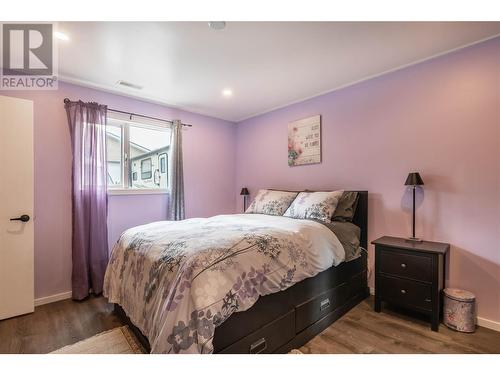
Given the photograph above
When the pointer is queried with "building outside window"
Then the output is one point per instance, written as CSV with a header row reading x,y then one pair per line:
x,y
137,155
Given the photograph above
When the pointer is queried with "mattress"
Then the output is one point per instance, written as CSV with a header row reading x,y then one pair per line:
x,y
178,281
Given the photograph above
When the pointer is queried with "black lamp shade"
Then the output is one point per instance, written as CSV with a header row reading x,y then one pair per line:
x,y
244,191
414,179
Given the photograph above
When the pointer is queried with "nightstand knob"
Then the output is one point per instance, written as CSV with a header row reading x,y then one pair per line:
x,y
403,265
403,291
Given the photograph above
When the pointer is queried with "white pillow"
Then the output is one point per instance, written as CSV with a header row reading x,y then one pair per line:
x,y
318,205
271,202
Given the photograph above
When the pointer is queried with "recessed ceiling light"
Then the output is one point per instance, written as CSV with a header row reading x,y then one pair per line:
x,y
227,93
61,36
217,25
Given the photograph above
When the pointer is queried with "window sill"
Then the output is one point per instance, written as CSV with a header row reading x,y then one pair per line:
x,y
136,191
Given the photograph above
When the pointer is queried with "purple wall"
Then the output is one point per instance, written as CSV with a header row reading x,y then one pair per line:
x,y
209,148
441,118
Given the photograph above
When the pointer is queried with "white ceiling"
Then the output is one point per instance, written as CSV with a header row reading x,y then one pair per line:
x,y
267,64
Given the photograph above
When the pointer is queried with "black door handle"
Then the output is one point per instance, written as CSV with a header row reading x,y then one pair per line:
x,y
23,218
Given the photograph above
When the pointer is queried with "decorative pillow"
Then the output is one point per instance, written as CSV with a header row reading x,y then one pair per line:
x,y
347,207
271,202
318,205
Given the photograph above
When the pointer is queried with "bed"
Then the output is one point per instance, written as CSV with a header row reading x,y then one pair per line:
x,y
273,321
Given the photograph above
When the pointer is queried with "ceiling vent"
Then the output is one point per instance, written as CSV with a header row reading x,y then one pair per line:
x,y
129,85
217,25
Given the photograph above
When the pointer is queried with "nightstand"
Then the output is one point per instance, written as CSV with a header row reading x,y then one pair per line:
x,y
410,274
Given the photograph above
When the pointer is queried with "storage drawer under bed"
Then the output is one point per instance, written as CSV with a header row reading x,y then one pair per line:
x,y
268,338
316,308
311,311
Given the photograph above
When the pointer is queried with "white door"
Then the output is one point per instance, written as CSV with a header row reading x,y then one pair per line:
x,y
16,202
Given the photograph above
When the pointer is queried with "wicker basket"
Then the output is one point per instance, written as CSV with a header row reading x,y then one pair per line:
x,y
459,310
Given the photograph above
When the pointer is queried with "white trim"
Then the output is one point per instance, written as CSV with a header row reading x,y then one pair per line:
x,y
136,191
487,323
162,102
53,298
482,322
143,97
369,77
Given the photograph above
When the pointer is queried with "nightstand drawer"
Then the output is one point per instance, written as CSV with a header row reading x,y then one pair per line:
x,y
405,292
417,267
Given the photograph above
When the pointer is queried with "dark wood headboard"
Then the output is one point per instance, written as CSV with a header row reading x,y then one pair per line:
x,y
361,216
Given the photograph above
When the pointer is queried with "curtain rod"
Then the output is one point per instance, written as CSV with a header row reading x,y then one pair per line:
x,y
66,100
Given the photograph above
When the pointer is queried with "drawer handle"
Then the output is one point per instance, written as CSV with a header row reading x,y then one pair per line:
x,y
324,304
403,291
258,346
403,265
427,300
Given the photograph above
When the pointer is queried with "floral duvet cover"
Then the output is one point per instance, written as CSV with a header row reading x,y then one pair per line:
x,y
178,280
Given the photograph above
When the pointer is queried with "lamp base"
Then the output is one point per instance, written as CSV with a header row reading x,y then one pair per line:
x,y
414,239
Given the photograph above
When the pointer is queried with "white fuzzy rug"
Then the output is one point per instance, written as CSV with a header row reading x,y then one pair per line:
x,y
116,341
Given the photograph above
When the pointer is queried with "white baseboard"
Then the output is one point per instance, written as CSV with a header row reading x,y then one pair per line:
x,y
487,323
482,322
52,298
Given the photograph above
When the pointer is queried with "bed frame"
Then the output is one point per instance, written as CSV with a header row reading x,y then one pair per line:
x,y
282,321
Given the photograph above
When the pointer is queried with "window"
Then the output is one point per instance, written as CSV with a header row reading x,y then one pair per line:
x,y
114,151
146,169
137,153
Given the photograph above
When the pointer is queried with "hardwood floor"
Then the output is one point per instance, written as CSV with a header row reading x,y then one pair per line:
x,y
56,325
361,330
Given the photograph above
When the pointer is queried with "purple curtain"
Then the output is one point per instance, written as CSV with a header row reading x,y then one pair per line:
x,y
176,196
87,125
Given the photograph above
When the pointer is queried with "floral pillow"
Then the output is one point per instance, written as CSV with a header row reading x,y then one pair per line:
x,y
319,205
271,202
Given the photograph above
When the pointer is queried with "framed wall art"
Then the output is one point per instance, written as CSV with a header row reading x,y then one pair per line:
x,y
304,141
